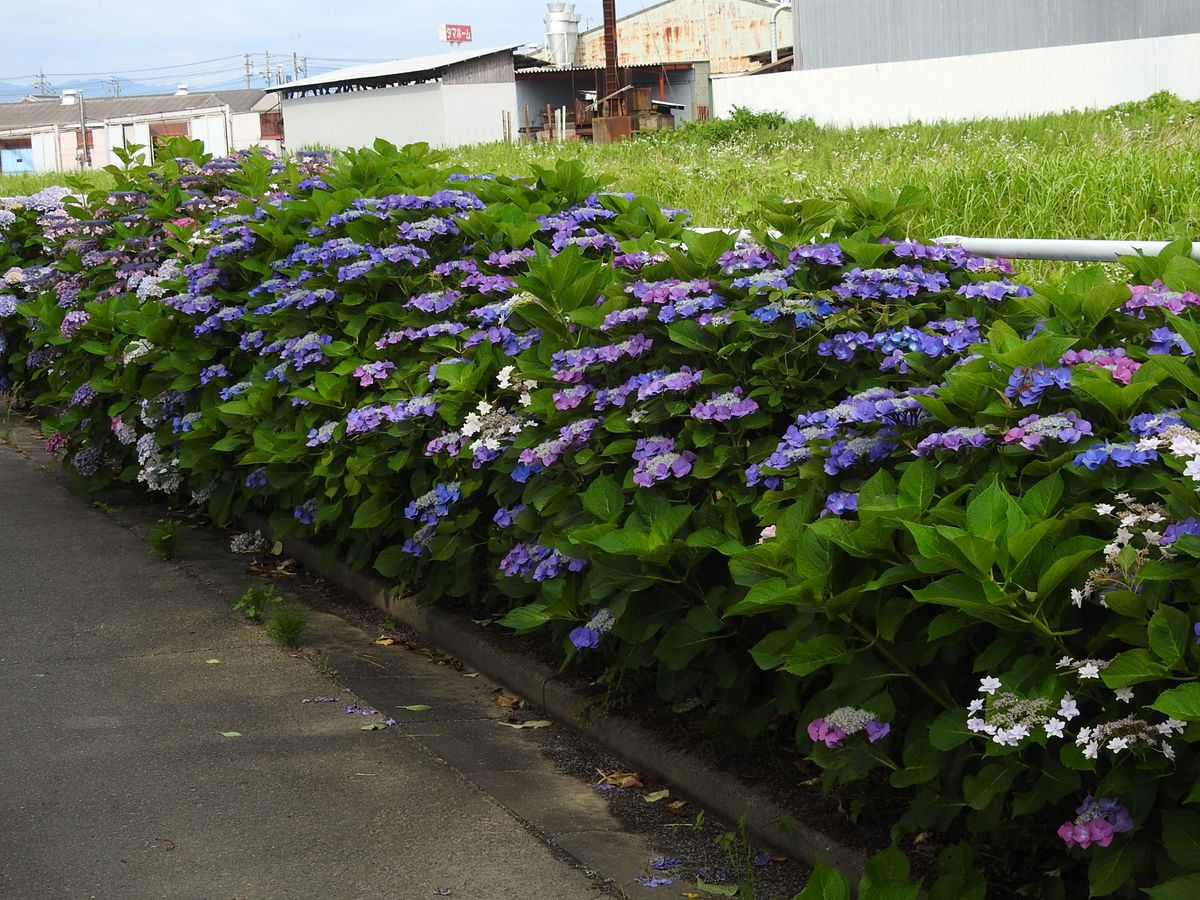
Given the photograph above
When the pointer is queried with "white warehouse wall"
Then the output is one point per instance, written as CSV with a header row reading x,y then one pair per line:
x,y
402,115
1004,85
473,112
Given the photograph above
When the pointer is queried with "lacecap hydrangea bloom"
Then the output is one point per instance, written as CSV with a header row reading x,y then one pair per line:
x,y
845,721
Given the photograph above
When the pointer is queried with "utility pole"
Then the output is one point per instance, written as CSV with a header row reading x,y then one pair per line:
x,y
249,76
268,73
295,66
114,85
41,84
85,161
304,66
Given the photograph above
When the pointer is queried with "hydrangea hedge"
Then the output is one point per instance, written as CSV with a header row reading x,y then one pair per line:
x,y
824,482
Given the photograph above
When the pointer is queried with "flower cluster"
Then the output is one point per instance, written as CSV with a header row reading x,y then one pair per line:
x,y
1066,428
1115,360
844,721
1009,719
369,418
1096,822
1157,296
588,636
892,284
542,563
724,407
952,440
569,365
658,460
1028,383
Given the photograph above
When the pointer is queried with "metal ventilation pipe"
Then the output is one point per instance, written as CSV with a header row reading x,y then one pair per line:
x,y
181,91
562,32
70,97
775,28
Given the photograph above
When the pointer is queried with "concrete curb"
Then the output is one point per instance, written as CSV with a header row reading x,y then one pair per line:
x,y
537,684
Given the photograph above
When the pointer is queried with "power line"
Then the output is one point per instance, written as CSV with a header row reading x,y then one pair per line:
x,y
200,62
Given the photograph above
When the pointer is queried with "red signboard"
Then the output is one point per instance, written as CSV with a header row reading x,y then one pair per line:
x,y
455,34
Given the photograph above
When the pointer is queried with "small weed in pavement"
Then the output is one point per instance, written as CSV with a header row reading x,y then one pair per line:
x,y
256,601
164,538
286,625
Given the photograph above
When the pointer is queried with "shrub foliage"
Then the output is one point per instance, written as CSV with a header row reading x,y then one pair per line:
x,y
820,481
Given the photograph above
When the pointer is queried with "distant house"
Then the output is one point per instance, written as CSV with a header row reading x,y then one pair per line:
x,y
75,132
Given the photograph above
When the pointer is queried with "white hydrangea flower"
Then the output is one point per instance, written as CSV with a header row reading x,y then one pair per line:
x,y
1054,728
989,685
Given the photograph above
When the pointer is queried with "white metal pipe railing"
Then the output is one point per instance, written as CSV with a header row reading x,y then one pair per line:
x,y
1065,249
1043,248
775,29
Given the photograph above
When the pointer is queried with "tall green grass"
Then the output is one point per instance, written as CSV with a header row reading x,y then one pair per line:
x,y
24,184
1126,172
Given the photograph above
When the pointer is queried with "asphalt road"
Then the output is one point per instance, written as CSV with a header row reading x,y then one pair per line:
x,y
116,780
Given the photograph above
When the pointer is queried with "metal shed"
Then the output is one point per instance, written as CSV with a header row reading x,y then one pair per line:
x,y
446,100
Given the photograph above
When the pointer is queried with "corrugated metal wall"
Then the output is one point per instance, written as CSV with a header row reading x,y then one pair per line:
x,y
1005,84
857,32
724,32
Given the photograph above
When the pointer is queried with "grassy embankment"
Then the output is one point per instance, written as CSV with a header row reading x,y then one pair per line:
x,y
1126,172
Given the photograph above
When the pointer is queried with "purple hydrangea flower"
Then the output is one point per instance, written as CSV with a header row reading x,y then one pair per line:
x,y
724,407
1027,383
839,503
1123,456
1096,822
1066,428
657,460
84,395
73,321
952,441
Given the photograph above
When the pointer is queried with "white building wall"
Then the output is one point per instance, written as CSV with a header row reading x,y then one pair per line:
x,y
1009,84
45,156
474,112
210,130
244,131
402,115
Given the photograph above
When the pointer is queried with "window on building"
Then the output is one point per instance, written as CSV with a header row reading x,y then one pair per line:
x,y
161,132
91,139
270,125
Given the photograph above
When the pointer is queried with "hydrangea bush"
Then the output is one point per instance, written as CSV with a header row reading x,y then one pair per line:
x,y
827,483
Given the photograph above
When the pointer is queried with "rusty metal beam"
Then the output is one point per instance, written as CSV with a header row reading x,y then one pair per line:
x,y
612,81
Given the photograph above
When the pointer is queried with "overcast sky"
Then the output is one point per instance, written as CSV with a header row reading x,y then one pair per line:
x,y
70,38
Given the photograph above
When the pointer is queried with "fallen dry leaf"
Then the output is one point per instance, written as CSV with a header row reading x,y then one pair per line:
x,y
676,806
621,779
385,641
213,662
416,707
504,701
231,734
656,796
470,674
535,723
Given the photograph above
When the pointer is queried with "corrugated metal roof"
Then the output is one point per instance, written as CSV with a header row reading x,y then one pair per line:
x,y
45,113
623,66
396,67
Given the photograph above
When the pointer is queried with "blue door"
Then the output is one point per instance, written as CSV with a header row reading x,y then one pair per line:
x,y
13,161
